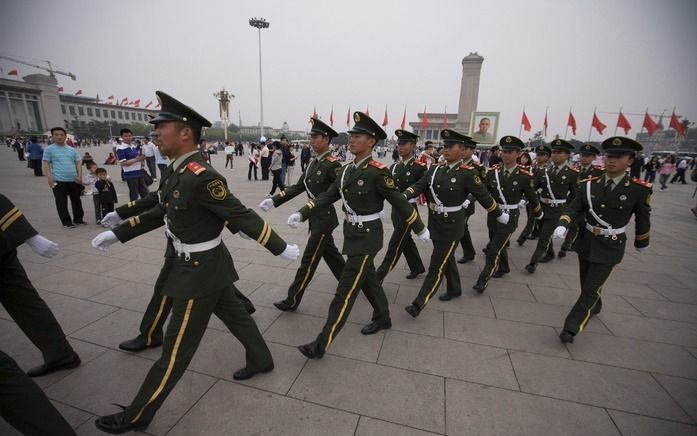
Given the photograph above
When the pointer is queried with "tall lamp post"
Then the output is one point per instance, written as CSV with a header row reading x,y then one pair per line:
x,y
260,23
224,106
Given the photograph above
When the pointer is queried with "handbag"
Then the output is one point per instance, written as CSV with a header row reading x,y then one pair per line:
x,y
148,178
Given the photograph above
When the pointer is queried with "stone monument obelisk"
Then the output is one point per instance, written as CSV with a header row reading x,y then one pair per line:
x,y
469,90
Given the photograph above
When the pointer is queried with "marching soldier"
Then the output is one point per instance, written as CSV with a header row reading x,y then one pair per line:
x,y
558,184
362,186
405,173
198,275
466,241
507,183
532,227
588,153
608,202
318,176
447,186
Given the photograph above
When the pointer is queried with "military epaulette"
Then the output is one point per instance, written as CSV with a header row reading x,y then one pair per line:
x,y
599,167
330,158
524,171
495,167
419,163
589,179
641,182
376,164
466,167
573,169
476,164
195,167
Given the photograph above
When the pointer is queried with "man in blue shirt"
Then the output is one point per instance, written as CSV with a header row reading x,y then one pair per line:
x,y
132,164
36,155
62,165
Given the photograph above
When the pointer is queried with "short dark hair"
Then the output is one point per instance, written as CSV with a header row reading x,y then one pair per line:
x,y
100,171
147,138
34,139
90,164
125,130
53,129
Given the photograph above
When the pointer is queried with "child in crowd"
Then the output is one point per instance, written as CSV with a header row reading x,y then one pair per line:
x,y
106,193
88,188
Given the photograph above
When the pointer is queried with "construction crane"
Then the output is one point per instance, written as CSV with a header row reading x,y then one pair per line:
x,y
51,71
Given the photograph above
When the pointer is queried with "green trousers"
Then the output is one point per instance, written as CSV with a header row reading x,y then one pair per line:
x,y
359,274
593,276
466,241
574,228
401,242
442,264
496,249
531,225
547,226
152,324
186,327
25,406
319,246
19,297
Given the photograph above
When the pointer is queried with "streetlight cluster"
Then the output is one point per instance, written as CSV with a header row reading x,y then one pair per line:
x,y
259,23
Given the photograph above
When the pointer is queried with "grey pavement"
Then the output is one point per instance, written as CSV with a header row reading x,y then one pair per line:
x,y
488,364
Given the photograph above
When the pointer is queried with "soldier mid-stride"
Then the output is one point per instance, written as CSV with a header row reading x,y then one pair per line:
x,y
362,186
608,201
198,275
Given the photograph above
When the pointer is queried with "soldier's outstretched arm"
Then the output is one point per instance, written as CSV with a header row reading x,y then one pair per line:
x,y
574,209
531,196
476,187
421,185
642,213
140,224
290,192
324,199
387,189
136,207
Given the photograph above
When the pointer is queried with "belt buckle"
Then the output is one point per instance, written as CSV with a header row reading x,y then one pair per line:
x,y
596,231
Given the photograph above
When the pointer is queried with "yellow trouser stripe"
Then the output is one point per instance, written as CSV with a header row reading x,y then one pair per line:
x,y
172,359
7,215
396,254
346,300
496,260
8,222
590,309
439,274
263,232
148,340
309,268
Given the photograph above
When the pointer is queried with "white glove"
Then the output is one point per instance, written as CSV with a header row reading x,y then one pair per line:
x,y
291,252
559,232
425,236
542,215
294,220
112,219
642,249
103,241
522,203
466,204
503,218
42,246
243,235
266,204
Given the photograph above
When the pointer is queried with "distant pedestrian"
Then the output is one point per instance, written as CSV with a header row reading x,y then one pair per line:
x,y
253,162
106,194
61,163
276,168
667,167
305,155
132,165
265,158
229,152
148,150
680,172
160,161
36,155
650,169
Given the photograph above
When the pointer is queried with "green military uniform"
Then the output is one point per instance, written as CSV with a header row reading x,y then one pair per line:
x,y
468,251
22,403
532,226
405,173
558,186
198,275
446,187
319,175
363,187
608,206
507,187
583,173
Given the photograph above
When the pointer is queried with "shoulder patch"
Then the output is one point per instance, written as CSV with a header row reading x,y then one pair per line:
x,y
599,167
642,183
195,167
329,158
376,164
495,167
466,167
419,163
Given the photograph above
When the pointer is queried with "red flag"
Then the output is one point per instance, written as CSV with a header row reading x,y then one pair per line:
x,y
12,72
404,119
385,120
572,123
148,105
367,111
599,126
111,97
136,103
424,120
445,118
675,124
79,92
545,124
623,123
124,100
158,105
60,89
526,122
314,112
649,124
348,117
331,117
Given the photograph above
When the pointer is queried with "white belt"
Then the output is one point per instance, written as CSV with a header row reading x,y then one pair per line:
x,y
412,200
552,202
601,231
360,219
509,206
439,208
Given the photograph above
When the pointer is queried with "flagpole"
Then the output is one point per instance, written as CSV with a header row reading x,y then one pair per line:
x,y
520,128
567,122
642,123
590,129
544,128
615,134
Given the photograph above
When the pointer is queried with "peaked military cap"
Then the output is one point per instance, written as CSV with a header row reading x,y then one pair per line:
x,y
620,145
320,128
509,142
365,124
589,149
451,137
172,109
543,149
403,135
560,144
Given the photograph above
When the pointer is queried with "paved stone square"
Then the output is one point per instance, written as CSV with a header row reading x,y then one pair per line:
x,y
488,364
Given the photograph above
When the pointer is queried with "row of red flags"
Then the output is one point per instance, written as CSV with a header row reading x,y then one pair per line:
x,y
622,122
385,119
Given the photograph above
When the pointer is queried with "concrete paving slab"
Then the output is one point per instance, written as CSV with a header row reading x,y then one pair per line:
x,y
374,427
636,425
76,284
658,330
684,391
567,298
665,310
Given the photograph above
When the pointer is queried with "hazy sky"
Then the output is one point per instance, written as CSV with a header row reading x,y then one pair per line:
x,y
605,53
